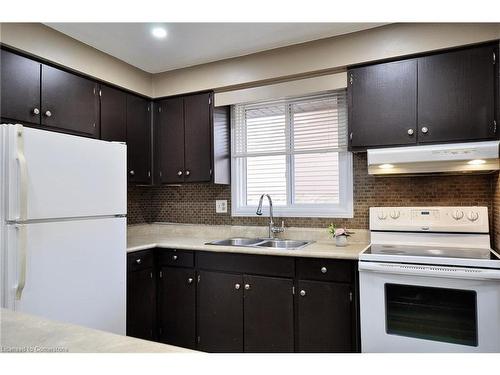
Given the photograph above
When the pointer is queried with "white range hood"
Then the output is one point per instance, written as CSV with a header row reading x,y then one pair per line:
x,y
452,158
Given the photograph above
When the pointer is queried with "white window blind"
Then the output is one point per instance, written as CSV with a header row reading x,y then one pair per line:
x,y
296,151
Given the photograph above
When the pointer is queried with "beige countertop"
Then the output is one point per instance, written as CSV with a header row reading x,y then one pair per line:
x,y
23,333
195,237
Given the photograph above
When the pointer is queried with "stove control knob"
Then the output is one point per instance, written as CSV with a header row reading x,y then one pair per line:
x,y
457,214
395,214
382,215
472,216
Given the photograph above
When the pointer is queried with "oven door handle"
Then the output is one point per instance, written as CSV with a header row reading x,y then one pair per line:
x,y
431,271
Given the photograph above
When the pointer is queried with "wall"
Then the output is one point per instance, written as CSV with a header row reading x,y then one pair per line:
x,y
496,211
195,203
323,55
42,41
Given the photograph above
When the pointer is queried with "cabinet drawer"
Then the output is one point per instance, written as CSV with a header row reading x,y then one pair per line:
x,y
279,266
172,257
324,269
139,260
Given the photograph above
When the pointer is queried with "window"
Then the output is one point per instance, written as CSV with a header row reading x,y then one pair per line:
x,y
295,150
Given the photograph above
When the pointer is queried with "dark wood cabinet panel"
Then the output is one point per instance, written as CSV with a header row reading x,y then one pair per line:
x,y
19,88
220,312
324,317
171,140
113,114
383,104
198,138
141,304
177,301
138,139
456,92
70,103
268,314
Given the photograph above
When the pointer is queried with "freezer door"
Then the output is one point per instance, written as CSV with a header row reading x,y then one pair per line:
x,y
52,175
75,271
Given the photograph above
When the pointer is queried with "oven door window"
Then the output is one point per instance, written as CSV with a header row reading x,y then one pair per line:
x,y
438,314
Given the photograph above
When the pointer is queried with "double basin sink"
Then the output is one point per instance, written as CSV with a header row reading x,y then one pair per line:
x,y
262,243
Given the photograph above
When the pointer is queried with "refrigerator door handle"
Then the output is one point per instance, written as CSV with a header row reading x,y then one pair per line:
x,y
21,253
23,173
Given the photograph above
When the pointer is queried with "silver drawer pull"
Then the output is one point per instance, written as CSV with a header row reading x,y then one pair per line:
x,y
302,292
174,257
237,286
323,270
138,261
190,280
247,286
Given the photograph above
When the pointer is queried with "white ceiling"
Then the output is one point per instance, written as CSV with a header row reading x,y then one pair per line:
x,y
190,44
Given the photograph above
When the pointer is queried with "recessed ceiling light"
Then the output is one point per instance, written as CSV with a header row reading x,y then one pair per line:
x,y
159,32
476,162
386,166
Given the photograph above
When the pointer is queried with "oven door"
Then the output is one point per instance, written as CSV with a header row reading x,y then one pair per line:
x,y
425,308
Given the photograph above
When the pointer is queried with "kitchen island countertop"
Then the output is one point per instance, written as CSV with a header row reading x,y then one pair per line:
x,y
24,333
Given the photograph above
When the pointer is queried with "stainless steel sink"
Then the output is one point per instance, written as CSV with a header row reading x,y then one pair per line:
x,y
284,244
262,243
236,242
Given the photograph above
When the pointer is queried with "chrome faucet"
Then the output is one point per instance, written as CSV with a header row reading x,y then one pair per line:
x,y
272,228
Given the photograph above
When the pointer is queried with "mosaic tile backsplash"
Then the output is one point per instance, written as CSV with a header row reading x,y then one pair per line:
x,y
195,203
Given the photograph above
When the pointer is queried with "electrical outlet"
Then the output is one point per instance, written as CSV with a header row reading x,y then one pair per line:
x,y
221,206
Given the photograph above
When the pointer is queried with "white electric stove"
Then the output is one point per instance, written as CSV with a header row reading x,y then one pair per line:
x,y
429,282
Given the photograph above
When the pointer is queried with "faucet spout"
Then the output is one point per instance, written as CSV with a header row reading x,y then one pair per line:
x,y
272,229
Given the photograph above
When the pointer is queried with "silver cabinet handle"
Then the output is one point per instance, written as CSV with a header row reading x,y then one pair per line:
x,y
302,292
425,130
138,261
190,280
48,113
132,172
36,111
179,173
237,286
188,172
411,131
247,286
174,257
323,270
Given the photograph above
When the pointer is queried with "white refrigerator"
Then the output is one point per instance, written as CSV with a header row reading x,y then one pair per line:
x,y
63,204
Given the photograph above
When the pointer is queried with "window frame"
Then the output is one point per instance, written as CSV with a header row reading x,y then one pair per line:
x,y
343,209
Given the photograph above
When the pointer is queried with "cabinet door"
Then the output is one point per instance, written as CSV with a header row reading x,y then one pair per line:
x,y
138,140
20,88
456,93
70,103
383,104
177,300
198,138
268,314
220,312
113,114
171,140
324,317
141,304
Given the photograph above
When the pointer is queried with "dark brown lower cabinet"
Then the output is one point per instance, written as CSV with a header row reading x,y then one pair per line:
x,y
235,303
324,317
177,302
141,304
220,312
268,314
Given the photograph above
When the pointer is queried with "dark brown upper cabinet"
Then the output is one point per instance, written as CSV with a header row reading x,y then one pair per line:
x,y
113,114
138,137
192,140
443,97
382,104
70,103
20,88
456,95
